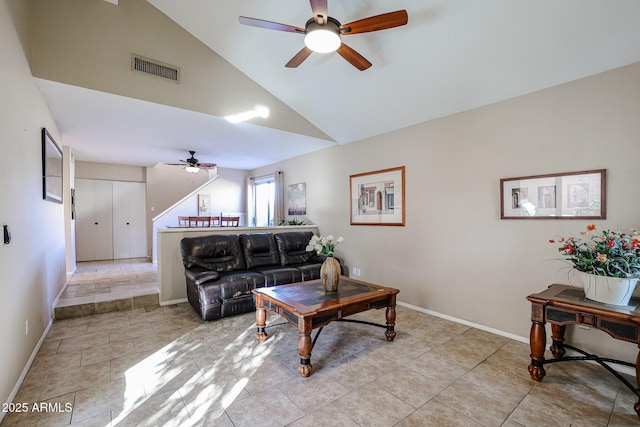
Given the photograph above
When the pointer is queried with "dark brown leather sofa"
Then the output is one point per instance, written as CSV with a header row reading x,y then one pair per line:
x,y
221,270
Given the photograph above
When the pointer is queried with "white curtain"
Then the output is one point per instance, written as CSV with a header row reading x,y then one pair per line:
x,y
251,202
278,200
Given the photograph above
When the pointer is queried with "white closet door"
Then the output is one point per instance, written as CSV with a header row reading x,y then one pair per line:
x,y
94,221
129,220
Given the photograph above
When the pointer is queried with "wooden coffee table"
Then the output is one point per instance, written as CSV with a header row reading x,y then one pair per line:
x,y
307,306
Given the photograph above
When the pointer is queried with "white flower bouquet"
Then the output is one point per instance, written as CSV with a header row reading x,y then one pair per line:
x,y
323,245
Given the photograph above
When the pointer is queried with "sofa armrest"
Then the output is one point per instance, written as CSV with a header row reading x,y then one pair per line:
x,y
200,276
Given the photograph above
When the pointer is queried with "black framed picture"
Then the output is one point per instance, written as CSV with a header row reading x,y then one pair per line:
x,y
51,168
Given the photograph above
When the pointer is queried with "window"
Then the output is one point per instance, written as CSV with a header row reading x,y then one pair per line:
x,y
265,201
264,204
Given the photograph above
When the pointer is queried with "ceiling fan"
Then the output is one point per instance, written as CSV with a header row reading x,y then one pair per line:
x,y
322,33
192,165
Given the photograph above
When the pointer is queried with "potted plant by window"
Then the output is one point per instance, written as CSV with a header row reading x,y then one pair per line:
x,y
330,270
608,262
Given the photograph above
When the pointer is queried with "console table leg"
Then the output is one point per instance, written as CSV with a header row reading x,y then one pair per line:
x,y
391,322
557,334
537,340
261,322
637,404
304,348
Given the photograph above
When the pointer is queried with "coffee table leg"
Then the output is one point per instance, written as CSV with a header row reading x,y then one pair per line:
x,y
261,323
391,323
304,348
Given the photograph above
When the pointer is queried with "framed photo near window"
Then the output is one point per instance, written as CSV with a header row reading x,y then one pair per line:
x,y
377,198
51,168
569,195
297,199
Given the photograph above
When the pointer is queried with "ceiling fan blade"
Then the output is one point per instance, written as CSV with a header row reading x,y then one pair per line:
x,y
375,23
206,165
354,58
320,11
269,25
299,57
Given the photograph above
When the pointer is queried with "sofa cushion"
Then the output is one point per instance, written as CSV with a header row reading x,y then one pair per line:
x,y
309,271
292,247
239,283
274,276
259,250
217,252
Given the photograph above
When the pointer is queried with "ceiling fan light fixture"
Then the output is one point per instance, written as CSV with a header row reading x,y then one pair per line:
x,y
192,169
323,38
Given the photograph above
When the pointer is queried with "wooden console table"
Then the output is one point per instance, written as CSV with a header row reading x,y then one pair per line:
x,y
562,305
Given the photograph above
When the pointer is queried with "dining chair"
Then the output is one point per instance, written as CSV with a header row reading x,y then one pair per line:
x,y
229,221
203,221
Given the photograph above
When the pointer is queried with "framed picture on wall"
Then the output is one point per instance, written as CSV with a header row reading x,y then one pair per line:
x,y
204,204
569,195
297,199
377,198
51,168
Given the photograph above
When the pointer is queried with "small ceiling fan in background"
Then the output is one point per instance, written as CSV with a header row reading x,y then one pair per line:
x,y
192,165
322,33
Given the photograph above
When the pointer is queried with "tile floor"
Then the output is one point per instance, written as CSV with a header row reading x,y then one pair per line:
x,y
162,366
107,286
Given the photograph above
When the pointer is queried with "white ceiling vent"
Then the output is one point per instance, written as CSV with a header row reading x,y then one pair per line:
x,y
155,68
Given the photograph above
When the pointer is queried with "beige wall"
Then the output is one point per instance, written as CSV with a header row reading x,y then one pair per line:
x,y
32,267
227,189
165,185
19,13
70,223
229,192
455,256
111,172
168,184
88,43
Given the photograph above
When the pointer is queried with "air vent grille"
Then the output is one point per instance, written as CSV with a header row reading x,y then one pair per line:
x,y
155,68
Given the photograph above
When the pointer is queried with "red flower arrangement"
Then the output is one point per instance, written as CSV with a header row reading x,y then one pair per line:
x,y
609,253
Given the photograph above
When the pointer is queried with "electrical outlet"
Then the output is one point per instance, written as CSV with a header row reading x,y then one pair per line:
x,y
358,272
353,271
26,327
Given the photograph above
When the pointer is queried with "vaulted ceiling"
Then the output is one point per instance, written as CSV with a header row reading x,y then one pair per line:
x,y
452,56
